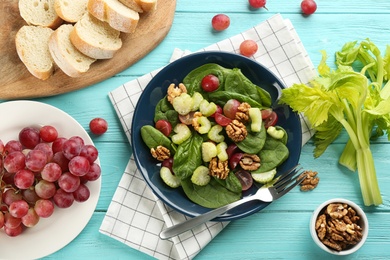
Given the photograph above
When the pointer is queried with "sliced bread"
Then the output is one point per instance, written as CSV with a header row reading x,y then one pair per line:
x,y
40,13
70,10
132,4
95,38
32,47
116,14
147,5
72,62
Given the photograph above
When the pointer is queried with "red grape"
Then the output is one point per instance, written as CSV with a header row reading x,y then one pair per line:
x,y
46,149
222,120
61,160
45,189
93,174
71,148
29,137
257,3
10,196
248,48
44,208
235,159
58,144
18,208
30,196
13,232
98,126
51,172
63,199
164,127
81,194
36,160
308,7
48,133
271,120
90,152
14,162
12,146
220,22
230,108
10,221
79,165
210,83
69,182
245,179
31,218
24,179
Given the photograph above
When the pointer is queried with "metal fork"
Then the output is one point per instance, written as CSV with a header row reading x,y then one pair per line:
x,y
284,184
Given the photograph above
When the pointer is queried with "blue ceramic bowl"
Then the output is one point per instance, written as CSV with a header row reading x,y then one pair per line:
x,y
157,89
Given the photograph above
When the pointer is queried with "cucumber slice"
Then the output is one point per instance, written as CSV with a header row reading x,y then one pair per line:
x,y
183,104
201,176
214,134
264,177
209,151
168,178
256,119
182,131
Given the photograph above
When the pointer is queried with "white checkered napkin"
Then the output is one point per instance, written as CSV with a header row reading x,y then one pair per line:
x,y
136,216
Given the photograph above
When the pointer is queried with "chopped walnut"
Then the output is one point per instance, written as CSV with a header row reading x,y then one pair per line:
x,y
219,168
236,131
160,153
337,227
310,182
242,113
175,91
250,162
195,123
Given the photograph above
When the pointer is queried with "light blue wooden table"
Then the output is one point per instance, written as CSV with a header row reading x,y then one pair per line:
x,y
281,230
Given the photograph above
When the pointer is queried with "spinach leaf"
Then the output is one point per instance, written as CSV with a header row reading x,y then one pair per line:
x,y
232,183
193,80
236,82
188,156
153,138
212,195
254,141
220,97
165,111
272,155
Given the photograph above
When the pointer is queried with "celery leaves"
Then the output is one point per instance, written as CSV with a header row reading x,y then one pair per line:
x,y
355,96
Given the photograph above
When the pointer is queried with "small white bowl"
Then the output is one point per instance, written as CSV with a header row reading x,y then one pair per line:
x,y
363,223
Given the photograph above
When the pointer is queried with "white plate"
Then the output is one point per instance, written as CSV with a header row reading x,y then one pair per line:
x,y
53,233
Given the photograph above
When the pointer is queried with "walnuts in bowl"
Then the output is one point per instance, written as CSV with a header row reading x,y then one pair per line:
x,y
339,226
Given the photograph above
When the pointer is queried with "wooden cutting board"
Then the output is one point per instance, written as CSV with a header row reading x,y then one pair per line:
x,y
17,83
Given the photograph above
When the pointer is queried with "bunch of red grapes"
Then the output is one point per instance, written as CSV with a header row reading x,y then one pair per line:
x,y
41,171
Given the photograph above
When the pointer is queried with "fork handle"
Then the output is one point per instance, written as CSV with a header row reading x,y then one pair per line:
x,y
200,219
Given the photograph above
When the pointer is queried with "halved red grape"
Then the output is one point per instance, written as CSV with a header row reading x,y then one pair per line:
x,y
234,160
271,120
222,120
245,179
187,119
164,127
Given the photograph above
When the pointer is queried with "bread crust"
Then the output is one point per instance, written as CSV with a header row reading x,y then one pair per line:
x,y
66,60
89,47
147,5
116,14
132,4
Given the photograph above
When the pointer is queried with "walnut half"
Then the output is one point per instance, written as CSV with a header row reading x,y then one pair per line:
x,y
250,162
160,153
219,168
236,131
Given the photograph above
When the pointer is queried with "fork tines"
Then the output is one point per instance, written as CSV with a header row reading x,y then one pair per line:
x,y
293,175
